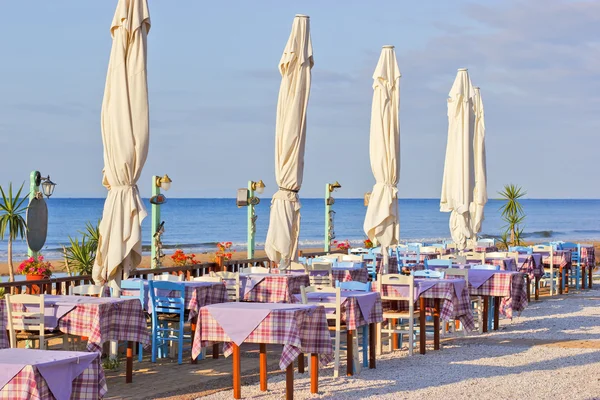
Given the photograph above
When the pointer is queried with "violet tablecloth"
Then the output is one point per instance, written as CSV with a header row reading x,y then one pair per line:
x,y
197,294
505,263
300,328
357,308
100,319
531,264
392,265
43,374
356,274
453,293
562,258
508,285
588,255
271,288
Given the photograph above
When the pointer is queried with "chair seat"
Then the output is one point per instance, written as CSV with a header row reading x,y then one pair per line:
x,y
24,335
398,314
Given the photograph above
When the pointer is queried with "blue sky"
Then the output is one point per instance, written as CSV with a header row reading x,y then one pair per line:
x,y
213,81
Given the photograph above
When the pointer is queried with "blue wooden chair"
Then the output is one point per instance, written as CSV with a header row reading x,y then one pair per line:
x,y
359,287
409,256
165,310
139,288
521,249
415,244
437,262
486,267
370,260
439,245
487,242
575,262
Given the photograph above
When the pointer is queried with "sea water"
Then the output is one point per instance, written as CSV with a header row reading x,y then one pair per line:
x,y
198,224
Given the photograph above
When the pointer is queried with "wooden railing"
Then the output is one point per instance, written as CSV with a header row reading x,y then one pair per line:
x,y
61,285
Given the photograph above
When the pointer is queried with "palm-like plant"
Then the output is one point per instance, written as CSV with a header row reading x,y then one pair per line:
x,y
512,212
92,232
81,255
11,220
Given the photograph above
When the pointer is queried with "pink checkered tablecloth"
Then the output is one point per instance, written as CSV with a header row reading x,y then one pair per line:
x,y
588,255
197,294
100,319
452,306
531,264
350,274
276,288
301,329
508,285
392,265
4,343
505,263
483,249
29,384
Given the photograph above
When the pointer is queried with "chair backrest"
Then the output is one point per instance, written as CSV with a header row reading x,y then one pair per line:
x,y
487,242
408,255
438,262
428,273
514,255
471,255
233,289
496,254
207,278
296,266
354,285
463,273
86,290
320,274
332,257
137,287
429,249
486,266
168,278
25,320
345,264
163,300
575,252
376,250
352,258
312,289
438,245
260,270
414,244
358,250
537,248
397,279
521,249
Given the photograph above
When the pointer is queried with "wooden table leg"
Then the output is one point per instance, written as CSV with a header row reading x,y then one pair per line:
x,y
394,322
497,301
193,329
349,353
263,367
528,283
215,351
560,280
301,363
537,288
583,276
566,280
237,373
372,345
436,324
314,373
129,365
289,382
422,326
590,270
486,306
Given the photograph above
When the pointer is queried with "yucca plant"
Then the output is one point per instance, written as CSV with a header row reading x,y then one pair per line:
x,y
92,232
81,255
12,221
512,213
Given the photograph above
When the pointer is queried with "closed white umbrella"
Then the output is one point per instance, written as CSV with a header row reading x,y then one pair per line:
x,y
125,135
381,220
458,182
480,192
290,132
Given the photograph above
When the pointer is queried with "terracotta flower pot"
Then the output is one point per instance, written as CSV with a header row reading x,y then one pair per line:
x,y
34,277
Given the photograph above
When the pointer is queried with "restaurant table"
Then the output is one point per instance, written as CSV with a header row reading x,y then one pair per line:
x,y
357,309
443,298
588,261
392,265
505,263
43,374
345,274
271,288
299,328
100,319
507,287
561,260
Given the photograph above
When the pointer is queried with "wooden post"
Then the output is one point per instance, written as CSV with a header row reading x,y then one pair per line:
x,y
314,373
237,373
590,276
301,363
394,339
372,345
263,367
129,364
215,351
528,282
583,276
349,351
486,306
422,327
566,280
436,324
537,288
497,301
289,382
193,333
560,280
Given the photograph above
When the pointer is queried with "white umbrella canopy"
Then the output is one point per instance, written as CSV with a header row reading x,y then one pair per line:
x,y
290,133
125,135
480,192
458,181
381,220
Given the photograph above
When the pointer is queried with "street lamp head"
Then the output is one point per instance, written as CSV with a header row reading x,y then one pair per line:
x,y
164,183
334,186
48,187
258,187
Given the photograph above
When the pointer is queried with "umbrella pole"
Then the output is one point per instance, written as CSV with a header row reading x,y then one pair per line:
x,y
115,285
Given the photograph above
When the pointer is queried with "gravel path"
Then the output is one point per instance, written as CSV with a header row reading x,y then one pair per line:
x,y
551,351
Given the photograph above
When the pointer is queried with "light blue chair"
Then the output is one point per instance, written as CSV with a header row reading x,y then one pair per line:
x,y
486,267
409,256
359,287
521,249
575,262
486,242
371,264
415,244
437,262
139,288
344,264
429,274
439,245
174,308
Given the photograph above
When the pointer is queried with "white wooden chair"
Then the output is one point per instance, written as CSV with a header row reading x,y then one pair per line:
x,y
496,254
206,278
456,259
233,290
30,324
549,274
429,274
296,266
320,274
352,258
332,257
471,255
169,278
394,317
87,290
430,249
255,270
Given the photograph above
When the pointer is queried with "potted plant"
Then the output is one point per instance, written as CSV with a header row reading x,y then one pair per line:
x,y
35,269
368,244
180,258
344,246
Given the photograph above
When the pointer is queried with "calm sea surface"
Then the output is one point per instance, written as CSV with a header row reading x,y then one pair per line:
x,y
197,224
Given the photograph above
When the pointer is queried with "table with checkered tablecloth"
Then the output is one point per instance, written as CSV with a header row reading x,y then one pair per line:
x,y
588,263
392,265
29,383
343,274
274,288
197,294
561,260
505,263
